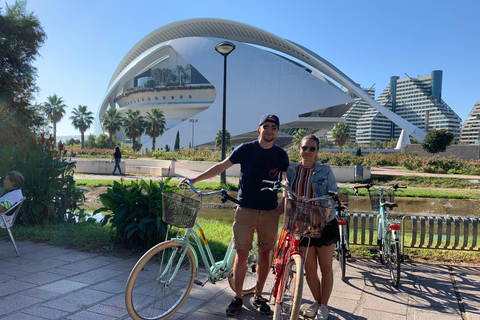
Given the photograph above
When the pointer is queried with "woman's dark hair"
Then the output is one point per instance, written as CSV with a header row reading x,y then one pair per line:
x,y
17,178
117,149
313,137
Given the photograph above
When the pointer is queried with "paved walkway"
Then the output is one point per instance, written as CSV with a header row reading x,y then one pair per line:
x,y
48,282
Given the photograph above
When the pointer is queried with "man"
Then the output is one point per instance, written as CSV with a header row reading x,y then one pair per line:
x,y
259,210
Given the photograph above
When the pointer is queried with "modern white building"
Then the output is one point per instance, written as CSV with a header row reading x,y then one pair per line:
x,y
471,127
417,100
265,74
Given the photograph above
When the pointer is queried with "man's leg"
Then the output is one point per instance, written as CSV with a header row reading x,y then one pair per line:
x,y
263,269
240,270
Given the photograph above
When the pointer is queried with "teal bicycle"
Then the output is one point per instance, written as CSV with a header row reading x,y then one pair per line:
x,y
382,200
163,277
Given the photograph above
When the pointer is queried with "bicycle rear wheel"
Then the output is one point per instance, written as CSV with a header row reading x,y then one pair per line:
x,y
393,259
289,296
250,281
160,281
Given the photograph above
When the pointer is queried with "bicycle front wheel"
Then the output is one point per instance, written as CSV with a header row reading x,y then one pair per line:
x,y
250,281
160,281
289,296
393,259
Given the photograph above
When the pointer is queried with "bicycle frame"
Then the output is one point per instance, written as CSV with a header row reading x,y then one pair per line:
x,y
217,270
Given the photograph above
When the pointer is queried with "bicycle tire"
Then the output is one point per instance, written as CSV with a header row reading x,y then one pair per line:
x,y
393,259
250,281
289,296
147,296
381,251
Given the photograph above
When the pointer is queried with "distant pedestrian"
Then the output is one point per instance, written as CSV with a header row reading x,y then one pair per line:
x,y
117,156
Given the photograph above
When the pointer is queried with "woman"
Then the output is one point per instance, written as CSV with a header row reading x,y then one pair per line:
x,y
117,156
12,183
312,179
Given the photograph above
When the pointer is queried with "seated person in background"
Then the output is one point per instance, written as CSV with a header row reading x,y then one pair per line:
x,y
12,183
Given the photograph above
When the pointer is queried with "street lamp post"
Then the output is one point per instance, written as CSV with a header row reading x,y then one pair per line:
x,y
193,127
224,48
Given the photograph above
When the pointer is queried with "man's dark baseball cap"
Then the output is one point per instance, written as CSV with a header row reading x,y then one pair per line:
x,y
269,118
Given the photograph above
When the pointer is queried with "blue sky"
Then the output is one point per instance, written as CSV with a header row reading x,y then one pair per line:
x,y
370,41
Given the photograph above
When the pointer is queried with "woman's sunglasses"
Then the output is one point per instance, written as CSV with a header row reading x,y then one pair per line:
x,y
266,127
305,148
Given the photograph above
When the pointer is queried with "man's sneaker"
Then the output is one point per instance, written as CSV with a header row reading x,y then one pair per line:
x,y
234,306
322,313
311,311
260,304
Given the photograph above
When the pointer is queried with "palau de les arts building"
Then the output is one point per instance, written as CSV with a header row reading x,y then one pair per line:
x,y
265,74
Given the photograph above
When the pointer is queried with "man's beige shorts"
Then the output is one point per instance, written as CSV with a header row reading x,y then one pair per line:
x,y
247,221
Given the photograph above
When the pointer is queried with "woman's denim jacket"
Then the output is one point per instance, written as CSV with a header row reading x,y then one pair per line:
x,y
323,181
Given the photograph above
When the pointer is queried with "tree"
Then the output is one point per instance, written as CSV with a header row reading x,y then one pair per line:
x,y
21,36
437,141
155,125
341,134
179,70
54,109
82,120
90,141
177,142
134,125
298,136
112,123
218,140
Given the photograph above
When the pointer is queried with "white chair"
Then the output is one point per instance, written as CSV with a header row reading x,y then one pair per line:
x,y
8,220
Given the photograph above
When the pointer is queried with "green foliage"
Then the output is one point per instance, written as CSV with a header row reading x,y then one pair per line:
x,y
219,138
134,126
82,120
341,134
176,147
298,136
49,186
21,37
437,141
136,211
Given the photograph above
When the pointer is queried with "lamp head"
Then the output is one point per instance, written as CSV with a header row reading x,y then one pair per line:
x,y
225,48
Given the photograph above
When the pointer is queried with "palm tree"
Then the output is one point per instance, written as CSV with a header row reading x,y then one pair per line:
x,y
298,136
218,139
341,134
179,69
54,108
111,122
155,125
82,120
134,125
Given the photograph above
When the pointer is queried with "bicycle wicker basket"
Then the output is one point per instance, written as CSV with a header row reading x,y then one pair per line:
x,y
306,219
375,199
179,210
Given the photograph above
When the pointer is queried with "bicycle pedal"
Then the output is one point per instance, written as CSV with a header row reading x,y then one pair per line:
x,y
199,283
373,251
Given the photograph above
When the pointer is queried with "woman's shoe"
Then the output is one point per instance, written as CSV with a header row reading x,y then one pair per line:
x,y
322,313
312,310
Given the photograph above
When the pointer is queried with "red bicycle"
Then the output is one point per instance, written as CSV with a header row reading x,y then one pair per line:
x,y
304,217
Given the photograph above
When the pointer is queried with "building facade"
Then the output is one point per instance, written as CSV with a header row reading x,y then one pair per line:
x,y
417,100
266,74
471,128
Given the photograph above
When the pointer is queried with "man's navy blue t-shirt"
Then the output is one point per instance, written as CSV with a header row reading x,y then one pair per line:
x,y
258,164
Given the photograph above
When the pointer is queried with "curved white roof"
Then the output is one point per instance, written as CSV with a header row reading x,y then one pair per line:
x,y
236,31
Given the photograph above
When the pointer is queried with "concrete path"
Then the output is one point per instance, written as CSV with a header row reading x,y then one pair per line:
x,y
48,282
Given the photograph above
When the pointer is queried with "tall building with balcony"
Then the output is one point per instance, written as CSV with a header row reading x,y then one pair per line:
x,y
356,112
417,100
471,128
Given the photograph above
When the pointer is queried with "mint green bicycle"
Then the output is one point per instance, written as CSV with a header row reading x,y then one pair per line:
x,y
163,277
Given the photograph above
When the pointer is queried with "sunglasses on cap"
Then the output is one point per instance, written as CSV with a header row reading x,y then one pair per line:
x,y
312,149
266,127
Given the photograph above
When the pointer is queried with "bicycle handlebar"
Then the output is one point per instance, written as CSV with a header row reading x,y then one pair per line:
x,y
225,196
276,185
369,185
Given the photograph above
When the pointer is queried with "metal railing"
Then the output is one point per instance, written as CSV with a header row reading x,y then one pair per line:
x,y
420,232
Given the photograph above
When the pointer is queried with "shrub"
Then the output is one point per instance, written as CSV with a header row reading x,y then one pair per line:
x,y
136,211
